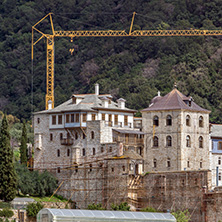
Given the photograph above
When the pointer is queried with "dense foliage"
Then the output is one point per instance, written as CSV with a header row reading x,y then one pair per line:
x,y
182,216
8,179
6,213
120,207
35,183
32,209
95,207
133,68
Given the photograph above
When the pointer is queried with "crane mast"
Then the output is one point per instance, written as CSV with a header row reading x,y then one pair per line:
x,y
49,99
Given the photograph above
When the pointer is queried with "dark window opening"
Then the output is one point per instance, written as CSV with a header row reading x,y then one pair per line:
x,y
188,120
51,137
200,121
169,141
155,141
68,152
169,120
58,153
156,121
92,135
38,120
94,151
83,152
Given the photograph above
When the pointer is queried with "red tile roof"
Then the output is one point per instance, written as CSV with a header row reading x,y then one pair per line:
x,y
174,100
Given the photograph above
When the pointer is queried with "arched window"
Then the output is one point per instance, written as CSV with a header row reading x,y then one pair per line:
x,y
58,153
188,142
68,152
83,152
169,120
154,163
58,170
76,136
219,160
61,136
76,169
92,135
155,141
38,120
94,151
188,120
83,136
102,149
168,162
219,176
200,142
156,121
201,121
169,141
201,163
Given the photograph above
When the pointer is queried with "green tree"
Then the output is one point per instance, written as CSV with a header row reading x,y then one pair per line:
x,y
182,216
32,209
23,146
8,179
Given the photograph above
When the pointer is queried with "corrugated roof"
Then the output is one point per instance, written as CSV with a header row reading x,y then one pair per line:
x,y
174,100
106,215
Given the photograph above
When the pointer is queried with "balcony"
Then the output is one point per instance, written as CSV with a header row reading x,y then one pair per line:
x,y
67,141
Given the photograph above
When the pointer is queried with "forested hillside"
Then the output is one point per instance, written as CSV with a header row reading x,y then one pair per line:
x,y
133,68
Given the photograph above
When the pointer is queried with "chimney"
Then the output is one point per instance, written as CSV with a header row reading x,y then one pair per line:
x,y
105,101
121,103
97,89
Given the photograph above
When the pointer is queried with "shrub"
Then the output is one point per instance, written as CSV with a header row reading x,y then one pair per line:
x,y
32,209
122,207
6,213
149,209
182,216
95,207
5,205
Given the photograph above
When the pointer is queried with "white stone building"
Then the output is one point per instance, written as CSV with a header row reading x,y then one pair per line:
x,y
177,134
216,154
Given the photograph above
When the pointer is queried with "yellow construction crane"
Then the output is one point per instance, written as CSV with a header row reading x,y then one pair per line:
x,y
49,100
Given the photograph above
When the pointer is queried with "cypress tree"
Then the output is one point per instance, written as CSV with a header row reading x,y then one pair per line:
x,y
23,146
8,179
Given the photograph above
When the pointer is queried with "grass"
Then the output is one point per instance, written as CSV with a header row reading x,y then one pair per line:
x,y
55,198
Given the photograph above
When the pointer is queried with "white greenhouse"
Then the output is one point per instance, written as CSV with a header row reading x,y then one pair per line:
x,y
53,215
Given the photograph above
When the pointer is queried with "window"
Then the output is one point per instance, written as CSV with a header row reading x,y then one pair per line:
x,y
156,121
68,152
84,117
77,118
53,120
76,136
112,169
219,147
59,119
102,149
38,120
188,141
219,176
169,120
93,117
67,118
51,137
58,170
155,141
188,163
200,142
168,162
188,120
219,160
83,152
68,136
83,136
90,167
76,169
92,135
125,120
124,168
103,116
110,149
61,136
169,141
72,118
154,163
201,121
58,153
94,151
201,164
116,119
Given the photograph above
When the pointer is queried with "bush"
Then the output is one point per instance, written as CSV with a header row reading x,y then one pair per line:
x,y
149,209
182,216
5,205
95,207
122,207
6,213
32,209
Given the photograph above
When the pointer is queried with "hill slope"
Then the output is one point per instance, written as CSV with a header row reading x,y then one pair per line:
x,y
133,68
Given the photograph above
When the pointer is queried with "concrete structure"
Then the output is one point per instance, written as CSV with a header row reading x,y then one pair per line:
x,y
216,154
177,134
